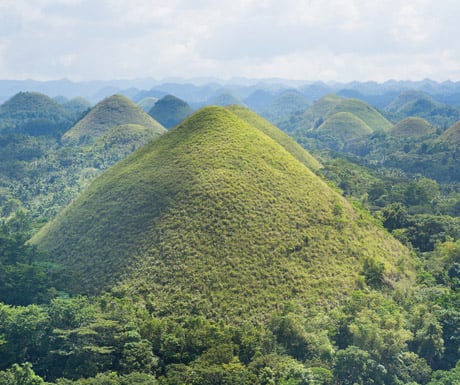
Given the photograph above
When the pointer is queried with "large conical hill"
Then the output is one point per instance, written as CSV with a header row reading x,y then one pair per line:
x,y
217,218
113,111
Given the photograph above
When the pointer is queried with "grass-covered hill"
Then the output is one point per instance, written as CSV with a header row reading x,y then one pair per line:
x,y
412,127
34,113
111,112
170,111
452,135
277,135
420,104
215,217
284,105
341,128
330,105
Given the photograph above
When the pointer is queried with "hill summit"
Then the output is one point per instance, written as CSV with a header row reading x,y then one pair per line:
x,y
116,110
217,218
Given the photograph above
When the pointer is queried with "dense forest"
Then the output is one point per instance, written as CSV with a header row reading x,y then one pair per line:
x,y
396,165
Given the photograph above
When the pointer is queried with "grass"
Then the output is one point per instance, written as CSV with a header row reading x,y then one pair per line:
x,y
217,218
412,127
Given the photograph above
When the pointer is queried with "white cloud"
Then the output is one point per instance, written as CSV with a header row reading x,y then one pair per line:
x,y
308,39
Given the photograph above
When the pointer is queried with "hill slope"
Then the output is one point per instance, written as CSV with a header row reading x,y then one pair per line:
x,y
217,218
277,135
111,112
170,111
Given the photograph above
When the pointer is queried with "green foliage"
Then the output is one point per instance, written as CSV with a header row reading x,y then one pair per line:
x,y
34,114
20,375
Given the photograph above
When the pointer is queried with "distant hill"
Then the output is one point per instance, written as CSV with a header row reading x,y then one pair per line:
x,y
342,128
77,106
170,111
420,104
147,103
111,112
451,135
224,100
259,100
412,127
284,105
217,218
34,113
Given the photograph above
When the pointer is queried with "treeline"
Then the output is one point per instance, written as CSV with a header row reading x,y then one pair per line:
x,y
380,336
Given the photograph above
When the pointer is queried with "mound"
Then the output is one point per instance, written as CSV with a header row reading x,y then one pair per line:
x,y
170,111
217,218
111,112
34,114
412,127
343,127
452,134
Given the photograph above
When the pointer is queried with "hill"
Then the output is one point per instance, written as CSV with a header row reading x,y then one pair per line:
x,y
285,104
341,128
412,127
147,103
216,218
170,111
34,113
451,135
223,100
110,112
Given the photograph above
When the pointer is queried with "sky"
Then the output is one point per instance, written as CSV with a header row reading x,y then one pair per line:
x,y
327,40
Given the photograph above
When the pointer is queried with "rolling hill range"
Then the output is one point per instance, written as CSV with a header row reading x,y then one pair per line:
x,y
34,113
420,104
329,105
170,111
107,114
217,218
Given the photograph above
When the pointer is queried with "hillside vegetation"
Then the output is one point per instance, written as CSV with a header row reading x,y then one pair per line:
x,y
217,218
34,114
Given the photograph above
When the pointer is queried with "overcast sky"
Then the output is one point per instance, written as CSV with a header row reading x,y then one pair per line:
x,y
330,40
